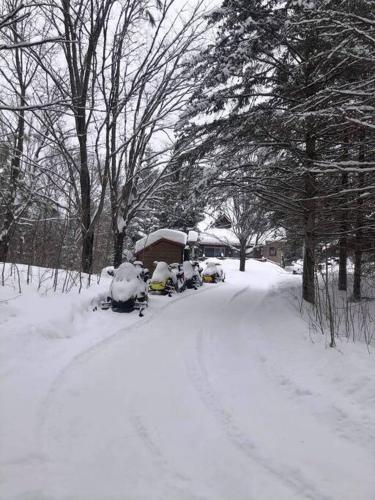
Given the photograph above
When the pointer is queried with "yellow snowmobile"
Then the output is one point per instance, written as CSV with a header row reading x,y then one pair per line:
x,y
213,272
163,281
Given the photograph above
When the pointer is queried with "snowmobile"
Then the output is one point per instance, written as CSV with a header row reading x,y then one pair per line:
x,y
128,291
163,280
197,266
178,271
191,276
143,271
213,272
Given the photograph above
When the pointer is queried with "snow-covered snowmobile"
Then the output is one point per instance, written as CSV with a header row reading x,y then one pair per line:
x,y
128,291
197,266
163,280
143,271
178,271
213,273
191,276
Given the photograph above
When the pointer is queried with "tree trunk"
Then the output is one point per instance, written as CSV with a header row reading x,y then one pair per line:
x,y
344,226
308,278
15,171
87,252
4,247
242,255
357,294
343,256
85,185
118,248
343,243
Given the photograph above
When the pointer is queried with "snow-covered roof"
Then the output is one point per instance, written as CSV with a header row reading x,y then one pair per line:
x,y
218,236
166,234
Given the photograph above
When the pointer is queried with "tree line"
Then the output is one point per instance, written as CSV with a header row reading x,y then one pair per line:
x,y
118,117
287,92
89,93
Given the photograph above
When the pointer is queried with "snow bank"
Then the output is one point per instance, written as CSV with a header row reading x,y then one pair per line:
x,y
168,234
52,303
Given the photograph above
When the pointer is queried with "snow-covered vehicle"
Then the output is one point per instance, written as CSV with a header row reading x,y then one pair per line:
x,y
297,266
192,277
179,278
197,266
163,280
128,291
213,273
143,271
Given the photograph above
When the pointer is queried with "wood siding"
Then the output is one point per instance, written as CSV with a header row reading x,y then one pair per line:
x,y
162,250
273,251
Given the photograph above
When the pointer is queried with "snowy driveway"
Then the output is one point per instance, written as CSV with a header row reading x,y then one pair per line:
x,y
217,395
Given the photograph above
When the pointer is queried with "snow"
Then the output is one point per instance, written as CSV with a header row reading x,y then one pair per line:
x,y
213,266
189,271
216,394
217,236
161,273
193,236
126,283
121,223
168,234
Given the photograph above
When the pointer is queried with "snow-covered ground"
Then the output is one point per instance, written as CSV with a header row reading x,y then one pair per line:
x,y
219,394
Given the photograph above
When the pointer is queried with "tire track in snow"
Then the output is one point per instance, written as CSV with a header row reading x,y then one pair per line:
x,y
289,476
83,356
237,294
144,435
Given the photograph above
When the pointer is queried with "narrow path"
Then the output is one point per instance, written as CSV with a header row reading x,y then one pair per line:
x,y
198,403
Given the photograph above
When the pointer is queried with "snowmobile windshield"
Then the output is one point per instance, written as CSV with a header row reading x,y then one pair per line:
x,y
162,272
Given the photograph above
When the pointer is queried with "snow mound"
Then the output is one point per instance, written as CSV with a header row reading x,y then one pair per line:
x,y
167,234
48,303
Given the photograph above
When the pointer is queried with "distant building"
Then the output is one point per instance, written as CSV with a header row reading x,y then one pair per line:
x,y
273,250
218,242
170,246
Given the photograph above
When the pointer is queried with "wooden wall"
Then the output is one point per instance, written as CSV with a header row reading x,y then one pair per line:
x,y
278,248
162,250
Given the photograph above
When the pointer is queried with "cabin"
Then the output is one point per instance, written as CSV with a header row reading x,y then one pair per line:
x,y
167,245
273,250
218,242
